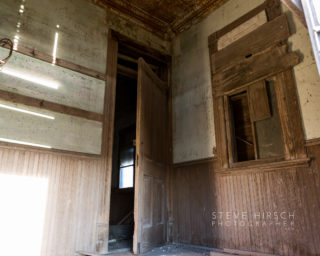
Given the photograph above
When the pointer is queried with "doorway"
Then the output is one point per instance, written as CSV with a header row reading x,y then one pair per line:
x,y
123,166
138,205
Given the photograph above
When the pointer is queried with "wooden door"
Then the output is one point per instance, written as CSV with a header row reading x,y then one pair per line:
x,y
151,160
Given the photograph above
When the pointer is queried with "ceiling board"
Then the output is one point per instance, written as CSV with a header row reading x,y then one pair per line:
x,y
164,17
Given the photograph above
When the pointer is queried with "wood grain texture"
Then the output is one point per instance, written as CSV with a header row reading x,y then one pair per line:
x,y
262,38
75,189
259,102
257,67
152,161
199,191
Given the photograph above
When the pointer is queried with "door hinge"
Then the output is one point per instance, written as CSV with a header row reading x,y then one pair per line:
x,y
137,160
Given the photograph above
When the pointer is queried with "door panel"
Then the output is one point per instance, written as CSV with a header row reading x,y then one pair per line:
x,y
152,160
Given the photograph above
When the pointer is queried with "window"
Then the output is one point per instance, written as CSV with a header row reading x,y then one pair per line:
x,y
254,123
256,111
126,178
312,14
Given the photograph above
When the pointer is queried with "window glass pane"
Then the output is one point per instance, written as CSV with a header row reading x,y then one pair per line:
x,y
63,132
126,177
42,80
127,157
82,34
268,131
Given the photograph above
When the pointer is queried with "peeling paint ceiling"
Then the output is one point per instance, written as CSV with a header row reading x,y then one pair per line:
x,y
163,17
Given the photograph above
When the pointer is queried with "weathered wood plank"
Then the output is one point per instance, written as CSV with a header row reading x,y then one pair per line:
x,y
60,62
258,102
264,37
290,117
47,105
257,67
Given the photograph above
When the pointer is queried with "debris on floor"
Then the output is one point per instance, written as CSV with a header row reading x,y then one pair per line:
x,y
175,249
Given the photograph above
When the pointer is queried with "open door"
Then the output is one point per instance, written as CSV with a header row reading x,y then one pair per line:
x,y
151,160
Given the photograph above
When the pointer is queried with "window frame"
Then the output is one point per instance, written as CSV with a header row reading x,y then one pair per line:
x,y
230,127
285,91
313,28
133,165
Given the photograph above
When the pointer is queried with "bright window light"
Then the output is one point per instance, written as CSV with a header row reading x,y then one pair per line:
x,y
24,143
30,78
25,111
55,46
23,203
126,177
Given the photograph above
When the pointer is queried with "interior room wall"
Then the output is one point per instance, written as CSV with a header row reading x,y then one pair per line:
x,y
200,192
77,201
193,124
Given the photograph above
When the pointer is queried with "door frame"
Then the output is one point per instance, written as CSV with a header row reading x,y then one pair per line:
x,y
116,40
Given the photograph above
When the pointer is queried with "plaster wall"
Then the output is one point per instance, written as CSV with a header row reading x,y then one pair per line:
x,y
193,120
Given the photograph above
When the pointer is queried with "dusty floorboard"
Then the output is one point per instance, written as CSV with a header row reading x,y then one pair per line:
x,y
172,250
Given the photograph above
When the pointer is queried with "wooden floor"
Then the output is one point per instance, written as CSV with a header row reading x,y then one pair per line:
x,y
181,250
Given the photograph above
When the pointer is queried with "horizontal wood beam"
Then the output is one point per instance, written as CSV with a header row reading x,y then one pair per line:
x,y
127,71
51,106
59,62
264,37
133,60
255,68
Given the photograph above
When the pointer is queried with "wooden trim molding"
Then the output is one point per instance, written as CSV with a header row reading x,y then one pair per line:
x,y
51,151
51,106
59,62
213,160
267,166
312,142
195,162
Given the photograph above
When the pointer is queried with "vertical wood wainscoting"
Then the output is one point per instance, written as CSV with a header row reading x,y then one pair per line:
x,y
75,196
199,190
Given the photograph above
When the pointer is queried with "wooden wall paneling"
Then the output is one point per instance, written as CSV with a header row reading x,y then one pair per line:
x,y
270,206
236,232
316,179
74,187
285,190
247,208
